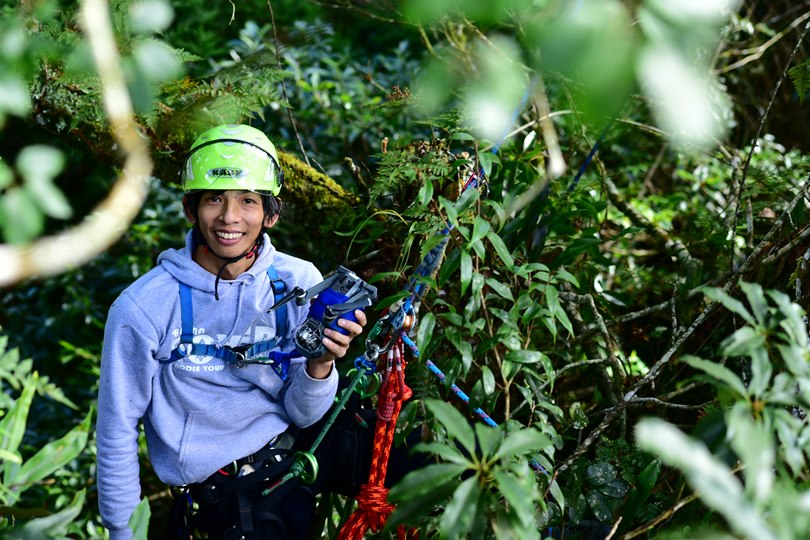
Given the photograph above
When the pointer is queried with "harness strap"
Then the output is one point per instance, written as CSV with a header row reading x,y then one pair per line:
x,y
238,356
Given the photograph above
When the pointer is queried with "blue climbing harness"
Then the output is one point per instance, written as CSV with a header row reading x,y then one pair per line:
x,y
257,353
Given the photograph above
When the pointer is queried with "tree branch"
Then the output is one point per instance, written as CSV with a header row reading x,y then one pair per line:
x,y
54,254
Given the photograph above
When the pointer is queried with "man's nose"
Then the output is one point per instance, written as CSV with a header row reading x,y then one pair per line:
x,y
230,211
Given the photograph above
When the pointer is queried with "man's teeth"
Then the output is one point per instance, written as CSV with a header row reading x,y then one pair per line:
x,y
229,236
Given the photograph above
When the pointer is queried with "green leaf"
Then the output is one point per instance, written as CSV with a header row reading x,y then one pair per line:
x,y
6,175
761,371
487,159
756,298
601,508
460,512
754,444
731,304
466,271
713,480
488,379
12,427
525,357
601,473
150,16
481,229
157,61
447,452
502,290
501,250
793,322
489,439
720,373
466,200
522,442
556,492
55,454
743,342
643,486
139,520
420,482
410,510
14,96
519,498
454,422
39,164
425,194
22,220
424,332
53,526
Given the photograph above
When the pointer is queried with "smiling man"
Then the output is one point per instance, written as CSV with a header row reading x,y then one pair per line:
x,y
176,340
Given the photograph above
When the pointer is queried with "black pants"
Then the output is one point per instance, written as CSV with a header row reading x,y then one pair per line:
x,y
344,459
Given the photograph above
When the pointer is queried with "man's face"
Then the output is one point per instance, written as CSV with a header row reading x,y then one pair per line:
x,y
231,221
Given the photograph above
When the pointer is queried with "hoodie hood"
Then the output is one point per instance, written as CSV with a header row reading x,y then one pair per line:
x,y
180,265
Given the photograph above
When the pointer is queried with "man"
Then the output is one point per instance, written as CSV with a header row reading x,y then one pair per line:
x,y
176,340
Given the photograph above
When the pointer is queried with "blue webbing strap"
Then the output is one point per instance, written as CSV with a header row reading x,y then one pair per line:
x,y
279,360
279,289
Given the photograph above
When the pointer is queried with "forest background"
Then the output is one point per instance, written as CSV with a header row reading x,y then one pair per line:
x,y
624,296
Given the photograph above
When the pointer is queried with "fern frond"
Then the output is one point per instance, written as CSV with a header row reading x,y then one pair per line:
x,y
800,75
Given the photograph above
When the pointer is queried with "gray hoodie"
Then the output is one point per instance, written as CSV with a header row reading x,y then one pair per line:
x,y
199,413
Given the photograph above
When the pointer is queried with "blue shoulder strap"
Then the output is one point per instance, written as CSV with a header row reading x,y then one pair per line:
x,y
280,361
279,288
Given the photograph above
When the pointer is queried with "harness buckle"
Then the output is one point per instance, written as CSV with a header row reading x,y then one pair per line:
x,y
240,359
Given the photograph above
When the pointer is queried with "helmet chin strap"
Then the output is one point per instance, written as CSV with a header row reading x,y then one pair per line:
x,y
257,244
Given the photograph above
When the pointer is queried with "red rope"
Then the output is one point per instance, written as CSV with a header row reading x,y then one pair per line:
x,y
372,501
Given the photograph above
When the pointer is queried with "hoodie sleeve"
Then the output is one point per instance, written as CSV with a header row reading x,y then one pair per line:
x,y
127,367
306,400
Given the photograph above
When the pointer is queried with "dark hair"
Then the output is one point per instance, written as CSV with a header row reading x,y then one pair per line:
x,y
271,204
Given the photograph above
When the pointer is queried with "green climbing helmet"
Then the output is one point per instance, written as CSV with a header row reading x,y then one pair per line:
x,y
232,157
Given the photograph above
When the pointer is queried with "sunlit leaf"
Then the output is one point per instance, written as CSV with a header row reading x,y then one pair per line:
x,y
730,303
522,442
14,96
22,220
139,521
743,342
501,249
756,298
754,444
712,480
53,526
718,372
55,454
150,16
466,271
488,379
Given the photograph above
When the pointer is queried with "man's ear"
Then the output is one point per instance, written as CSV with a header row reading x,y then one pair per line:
x,y
270,221
187,210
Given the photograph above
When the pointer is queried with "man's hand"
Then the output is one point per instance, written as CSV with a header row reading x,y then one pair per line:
x,y
337,345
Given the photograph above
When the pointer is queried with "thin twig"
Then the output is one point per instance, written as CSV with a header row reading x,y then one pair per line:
x,y
613,413
284,86
761,126
757,52
787,248
661,518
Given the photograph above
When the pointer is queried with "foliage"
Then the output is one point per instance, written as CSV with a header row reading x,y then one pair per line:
x,y
20,385
765,421
562,296
484,482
